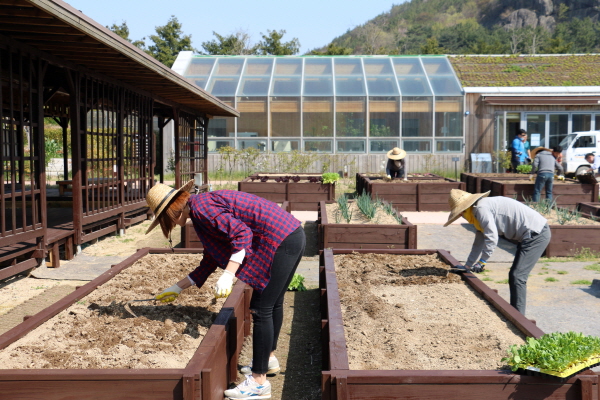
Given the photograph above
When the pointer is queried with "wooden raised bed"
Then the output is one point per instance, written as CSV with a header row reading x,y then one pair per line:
x,y
364,236
211,368
566,194
361,179
568,240
302,196
414,196
592,209
190,240
339,382
474,180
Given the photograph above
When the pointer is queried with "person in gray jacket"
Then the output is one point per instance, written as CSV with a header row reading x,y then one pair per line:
x,y
495,216
544,163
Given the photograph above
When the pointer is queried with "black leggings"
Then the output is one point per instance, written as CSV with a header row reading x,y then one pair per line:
x,y
267,307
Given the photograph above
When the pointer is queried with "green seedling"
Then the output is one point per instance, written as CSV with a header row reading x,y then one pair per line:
x,y
581,282
551,279
297,283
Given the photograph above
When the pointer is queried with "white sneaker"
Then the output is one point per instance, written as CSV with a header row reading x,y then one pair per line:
x,y
250,389
273,367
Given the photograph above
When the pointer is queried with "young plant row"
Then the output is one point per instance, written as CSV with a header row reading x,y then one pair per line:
x,y
554,352
366,205
563,215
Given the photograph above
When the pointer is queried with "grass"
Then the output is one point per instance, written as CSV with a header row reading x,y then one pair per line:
x,y
551,279
487,278
581,282
593,267
503,281
562,272
584,254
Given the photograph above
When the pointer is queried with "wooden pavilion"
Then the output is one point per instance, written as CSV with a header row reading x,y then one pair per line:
x,y
112,101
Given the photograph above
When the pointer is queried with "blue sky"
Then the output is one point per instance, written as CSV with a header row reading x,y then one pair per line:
x,y
314,22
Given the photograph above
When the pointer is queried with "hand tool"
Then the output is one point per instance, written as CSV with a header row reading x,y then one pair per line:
x,y
128,309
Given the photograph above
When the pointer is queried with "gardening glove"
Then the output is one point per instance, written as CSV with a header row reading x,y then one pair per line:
x,y
478,267
224,284
389,177
460,267
532,177
169,295
405,179
561,178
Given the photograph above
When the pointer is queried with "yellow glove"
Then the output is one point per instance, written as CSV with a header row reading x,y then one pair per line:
x,y
532,177
169,295
224,284
561,178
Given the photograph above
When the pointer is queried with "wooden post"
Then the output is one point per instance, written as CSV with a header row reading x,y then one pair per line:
x,y
76,148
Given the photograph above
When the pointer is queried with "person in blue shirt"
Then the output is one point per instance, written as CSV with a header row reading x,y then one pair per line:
x,y
517,150
527,147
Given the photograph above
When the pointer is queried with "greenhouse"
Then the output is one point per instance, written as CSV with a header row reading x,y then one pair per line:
x,y
348,104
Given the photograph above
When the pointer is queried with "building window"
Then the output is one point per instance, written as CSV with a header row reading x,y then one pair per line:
x,y
215,145
319,146
382,146
448,146
278,146
417,146
317,116
350,117
261,145
350,146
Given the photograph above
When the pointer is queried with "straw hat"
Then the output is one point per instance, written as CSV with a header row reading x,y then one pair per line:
x,y
159,197
537,150
460,200
396,153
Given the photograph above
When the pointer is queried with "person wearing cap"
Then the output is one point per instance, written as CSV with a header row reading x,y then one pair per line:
x,y
250,238
594,162
495,216
544,164
526,146
396,164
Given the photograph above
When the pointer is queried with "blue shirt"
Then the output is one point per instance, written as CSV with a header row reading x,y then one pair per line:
x,y
518,147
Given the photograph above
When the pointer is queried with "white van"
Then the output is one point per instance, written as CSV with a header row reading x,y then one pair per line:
x,y
575,146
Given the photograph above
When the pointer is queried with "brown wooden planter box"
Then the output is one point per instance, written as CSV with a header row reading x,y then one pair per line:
x,y
568,240
592,209
303,196
565,195
418,196
341,383
190,240
361,179
208,373
364,236
474,180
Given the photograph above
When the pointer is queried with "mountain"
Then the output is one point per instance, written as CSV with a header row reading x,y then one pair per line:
x,y
476,27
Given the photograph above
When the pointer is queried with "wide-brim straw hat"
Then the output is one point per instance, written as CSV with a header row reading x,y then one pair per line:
x,y
396,153
538,149
460,200
159,197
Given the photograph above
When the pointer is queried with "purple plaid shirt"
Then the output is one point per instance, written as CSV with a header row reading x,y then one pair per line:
x,y
227,221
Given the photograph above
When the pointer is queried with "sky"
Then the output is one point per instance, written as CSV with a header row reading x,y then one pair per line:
x,y
314,22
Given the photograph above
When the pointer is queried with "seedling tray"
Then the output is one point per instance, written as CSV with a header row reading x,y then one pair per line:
x,y
561,376
211,368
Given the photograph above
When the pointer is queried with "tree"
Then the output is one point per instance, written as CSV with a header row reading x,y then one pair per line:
x,y
583,35
237,43
332,50
272,45
123,31
431,46
169,41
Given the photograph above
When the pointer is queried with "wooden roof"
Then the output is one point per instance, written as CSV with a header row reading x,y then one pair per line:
x,y
56,28
536,70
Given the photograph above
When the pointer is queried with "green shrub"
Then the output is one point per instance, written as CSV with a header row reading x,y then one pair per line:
x,y
524,169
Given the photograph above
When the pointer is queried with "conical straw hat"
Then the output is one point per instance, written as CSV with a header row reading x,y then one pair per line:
x,y
396,153
160,196
460,200
538,149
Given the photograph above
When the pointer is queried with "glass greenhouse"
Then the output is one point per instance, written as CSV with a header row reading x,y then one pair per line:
x,y
345,104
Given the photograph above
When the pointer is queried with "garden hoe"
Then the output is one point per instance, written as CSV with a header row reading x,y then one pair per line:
x,y
132,301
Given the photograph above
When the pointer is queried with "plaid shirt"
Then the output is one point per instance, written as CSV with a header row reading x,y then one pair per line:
x,y
227,221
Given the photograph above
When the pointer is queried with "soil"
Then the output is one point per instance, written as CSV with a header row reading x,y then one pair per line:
x,y
553,220
97,332
413,181
381,217
556,182
409,313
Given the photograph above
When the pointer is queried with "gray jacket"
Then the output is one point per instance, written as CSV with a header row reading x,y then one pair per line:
x,y
544,161
502,216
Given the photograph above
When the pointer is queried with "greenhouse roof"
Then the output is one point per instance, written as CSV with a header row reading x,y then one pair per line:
x,y
527,71
320,76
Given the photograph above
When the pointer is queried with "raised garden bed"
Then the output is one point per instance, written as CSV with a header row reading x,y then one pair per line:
x,y
362,233
474,180
364,310
589,208
190,240
566,194
121,357
360,178
414,195
302,195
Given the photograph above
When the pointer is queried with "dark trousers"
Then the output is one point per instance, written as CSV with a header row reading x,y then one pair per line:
x,y
528,253
267,307
396,174
544,179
